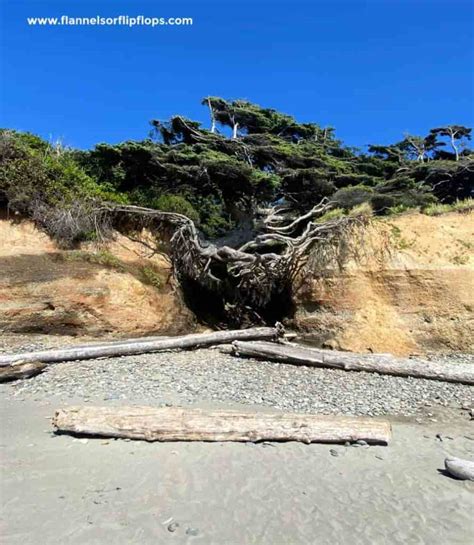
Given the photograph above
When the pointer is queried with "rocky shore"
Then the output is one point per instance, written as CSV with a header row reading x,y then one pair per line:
x,y
210,376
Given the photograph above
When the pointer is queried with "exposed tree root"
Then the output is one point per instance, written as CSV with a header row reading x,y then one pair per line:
x,y
246,278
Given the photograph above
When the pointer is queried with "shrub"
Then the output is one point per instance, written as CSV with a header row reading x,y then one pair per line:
x,y
176,204
102,257
46,184
333,214
152,277
348,197
437,209
382,203
398,209
363,210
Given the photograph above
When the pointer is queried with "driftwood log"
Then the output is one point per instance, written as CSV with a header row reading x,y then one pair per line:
x,y
177,424
126,348
372,363
461,469
21,370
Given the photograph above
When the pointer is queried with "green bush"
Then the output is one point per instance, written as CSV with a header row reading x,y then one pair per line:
x,y
436,209
382,204
348,197
176,204
101,257
152,277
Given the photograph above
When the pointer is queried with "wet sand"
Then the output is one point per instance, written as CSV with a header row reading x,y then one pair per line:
x,y
64,490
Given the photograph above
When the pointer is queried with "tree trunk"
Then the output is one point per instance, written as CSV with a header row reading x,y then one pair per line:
x,y
131,348
371,363
453,145
213,119
176,424
21,370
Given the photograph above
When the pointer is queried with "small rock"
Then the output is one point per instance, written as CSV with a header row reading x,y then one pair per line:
x,y
438,436
334,452
173,526
362,443
379,457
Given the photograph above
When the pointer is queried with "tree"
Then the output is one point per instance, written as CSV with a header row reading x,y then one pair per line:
x,y
457,135
393,152
244,210
419,147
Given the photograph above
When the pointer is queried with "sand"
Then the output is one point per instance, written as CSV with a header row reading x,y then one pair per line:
x,y
64,490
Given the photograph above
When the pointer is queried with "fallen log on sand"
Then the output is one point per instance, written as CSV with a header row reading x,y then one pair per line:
x,y
461,469
372,363
21,370
126,348
177,424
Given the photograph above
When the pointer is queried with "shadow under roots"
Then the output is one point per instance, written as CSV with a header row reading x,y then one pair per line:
x,y
216,309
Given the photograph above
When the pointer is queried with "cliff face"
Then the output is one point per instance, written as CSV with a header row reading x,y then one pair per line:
x,y
410,290
90,291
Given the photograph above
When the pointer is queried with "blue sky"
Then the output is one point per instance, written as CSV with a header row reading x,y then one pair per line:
x,y
373,69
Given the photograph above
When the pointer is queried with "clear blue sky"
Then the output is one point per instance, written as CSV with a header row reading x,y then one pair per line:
x,y
373,68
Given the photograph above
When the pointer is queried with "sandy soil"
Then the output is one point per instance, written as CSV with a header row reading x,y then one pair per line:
x,y
64,490
409,290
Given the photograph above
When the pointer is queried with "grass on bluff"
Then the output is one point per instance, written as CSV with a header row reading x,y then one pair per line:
x,y
147,274
436,209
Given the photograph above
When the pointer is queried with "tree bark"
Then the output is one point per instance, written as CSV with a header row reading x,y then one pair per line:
x,y
21,370
373,363
176,424
142,347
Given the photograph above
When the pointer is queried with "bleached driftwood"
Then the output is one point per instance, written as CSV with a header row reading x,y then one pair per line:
x,y
130,348
21,370
461,469
374,363
177,424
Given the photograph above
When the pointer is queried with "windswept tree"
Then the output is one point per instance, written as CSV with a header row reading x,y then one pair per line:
x,y
457,136
392,152
419,148
241,212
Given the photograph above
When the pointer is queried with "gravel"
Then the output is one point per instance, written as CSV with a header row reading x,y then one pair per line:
x,y
209,376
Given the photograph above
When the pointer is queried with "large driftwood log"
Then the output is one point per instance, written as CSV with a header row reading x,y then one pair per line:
x,y
373,363
130,348
21,370
176,424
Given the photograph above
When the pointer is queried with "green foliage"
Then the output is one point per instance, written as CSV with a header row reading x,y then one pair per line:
x,y
362,210
437,209
177,204
252,157
101,257
348,197
333,214
152,277
398,209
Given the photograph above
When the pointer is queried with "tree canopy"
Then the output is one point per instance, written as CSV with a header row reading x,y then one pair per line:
x,y
249,157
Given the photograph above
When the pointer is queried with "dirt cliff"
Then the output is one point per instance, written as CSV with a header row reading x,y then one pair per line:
x,y
409,291
89,291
